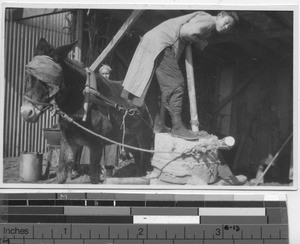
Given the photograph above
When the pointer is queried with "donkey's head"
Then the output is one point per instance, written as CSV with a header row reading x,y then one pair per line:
x,y
44,79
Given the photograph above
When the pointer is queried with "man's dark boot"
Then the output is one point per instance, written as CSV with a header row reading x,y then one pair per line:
x,y
159,123
179,130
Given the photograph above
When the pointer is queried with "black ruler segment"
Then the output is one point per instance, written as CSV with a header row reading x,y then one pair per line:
x,y
35,210
16,202
160,203
100,219
190,204
70,202
130,203
218,204
249,204
111,218
164,211
100,203
41,202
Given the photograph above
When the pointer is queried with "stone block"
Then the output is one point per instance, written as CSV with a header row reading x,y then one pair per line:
x,y
178,161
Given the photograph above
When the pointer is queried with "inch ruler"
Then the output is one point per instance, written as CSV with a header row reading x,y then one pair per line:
x,y
106,218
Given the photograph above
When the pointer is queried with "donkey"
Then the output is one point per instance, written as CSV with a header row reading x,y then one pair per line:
x,y
52,79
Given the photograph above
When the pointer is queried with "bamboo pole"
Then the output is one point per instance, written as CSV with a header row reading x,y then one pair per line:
x,y
271,163
191,88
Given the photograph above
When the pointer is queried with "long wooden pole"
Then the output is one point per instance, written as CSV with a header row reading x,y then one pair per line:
x,y
116,39
79,35
122,31
191,88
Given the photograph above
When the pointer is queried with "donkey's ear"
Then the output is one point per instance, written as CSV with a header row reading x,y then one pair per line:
x,y
62,52
43,48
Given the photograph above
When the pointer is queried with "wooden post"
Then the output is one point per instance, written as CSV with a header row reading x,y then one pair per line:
x,y
79,33
191,88
86,103
122,31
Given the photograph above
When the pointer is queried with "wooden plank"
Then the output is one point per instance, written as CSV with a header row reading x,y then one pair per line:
x,y
191,88
125,27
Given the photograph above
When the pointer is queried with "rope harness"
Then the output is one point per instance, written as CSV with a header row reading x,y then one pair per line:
x,y
37,103
100,99
69,119
48,71
195,151
123,127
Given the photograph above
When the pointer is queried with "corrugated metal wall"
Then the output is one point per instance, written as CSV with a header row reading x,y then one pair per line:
x,y
20,41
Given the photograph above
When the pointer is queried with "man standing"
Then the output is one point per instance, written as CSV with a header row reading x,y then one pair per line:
x,y
110,153
158,53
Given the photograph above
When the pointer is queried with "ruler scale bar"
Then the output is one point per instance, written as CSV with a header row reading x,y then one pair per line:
x,y
142,231
111,218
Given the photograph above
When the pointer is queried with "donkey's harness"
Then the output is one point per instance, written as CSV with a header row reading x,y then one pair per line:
x,y
48,71
37,103
98,98
45,69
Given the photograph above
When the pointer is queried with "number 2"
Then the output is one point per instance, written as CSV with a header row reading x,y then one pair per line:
x,y
141,230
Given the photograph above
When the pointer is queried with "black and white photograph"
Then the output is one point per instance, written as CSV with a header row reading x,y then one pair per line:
x,y
184,98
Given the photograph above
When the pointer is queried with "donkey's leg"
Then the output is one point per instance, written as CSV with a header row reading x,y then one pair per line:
x,y
95,157
145,141
66,160
135,153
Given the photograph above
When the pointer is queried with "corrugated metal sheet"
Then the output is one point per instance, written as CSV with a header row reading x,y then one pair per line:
x,y
20,41
51,22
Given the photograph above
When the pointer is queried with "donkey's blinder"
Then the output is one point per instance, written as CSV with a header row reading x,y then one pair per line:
x,y
45,69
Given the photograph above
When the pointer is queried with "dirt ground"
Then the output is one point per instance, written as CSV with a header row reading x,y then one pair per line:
x,y
11,170
126,168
